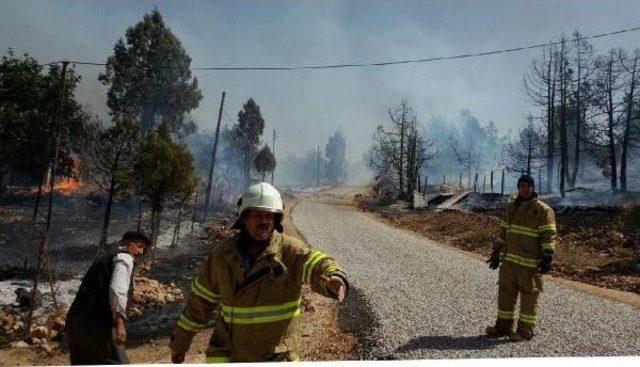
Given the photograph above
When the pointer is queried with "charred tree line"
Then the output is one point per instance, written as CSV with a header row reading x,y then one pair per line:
x,y
589,111
466,147
399,151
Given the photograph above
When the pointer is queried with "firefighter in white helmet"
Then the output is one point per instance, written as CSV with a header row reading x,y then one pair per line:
x,y
254,279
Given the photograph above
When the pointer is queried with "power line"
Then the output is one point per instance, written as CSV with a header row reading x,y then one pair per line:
x,y
381,63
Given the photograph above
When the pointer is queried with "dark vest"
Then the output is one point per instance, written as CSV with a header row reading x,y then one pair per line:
x,y
92,300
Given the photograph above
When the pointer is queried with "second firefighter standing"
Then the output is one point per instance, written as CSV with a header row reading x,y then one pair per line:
x,y
524,251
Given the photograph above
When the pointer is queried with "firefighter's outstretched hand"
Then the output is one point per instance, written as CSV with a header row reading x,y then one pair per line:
x,y
336,286
177,358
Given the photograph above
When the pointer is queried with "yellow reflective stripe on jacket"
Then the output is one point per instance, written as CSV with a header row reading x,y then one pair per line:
x,y
526,231
520,260
549,246
314,258
218,359
261,314
189,325
503,224
547,228
200,290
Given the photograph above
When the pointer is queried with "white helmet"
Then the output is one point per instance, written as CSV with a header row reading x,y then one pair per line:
x,y
261,196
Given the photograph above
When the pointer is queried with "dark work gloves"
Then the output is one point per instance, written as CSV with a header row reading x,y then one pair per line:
x,y
494,260
545,262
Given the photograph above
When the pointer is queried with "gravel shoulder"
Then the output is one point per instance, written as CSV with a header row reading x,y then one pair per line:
x,y
430,301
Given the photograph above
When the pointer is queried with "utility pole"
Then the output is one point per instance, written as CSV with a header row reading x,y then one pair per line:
x,y
273,150
44,237
318,168
207,196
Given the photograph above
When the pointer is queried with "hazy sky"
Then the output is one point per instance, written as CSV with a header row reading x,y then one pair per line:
x,y
308,106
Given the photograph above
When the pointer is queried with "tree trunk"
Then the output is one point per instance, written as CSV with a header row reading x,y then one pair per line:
x,y
564,151
492,182
627,127
193,214
139,214
529,152
612,156
475,183
401,163
156,219
176,231
551,126
576,154
39,195
610,123
104,233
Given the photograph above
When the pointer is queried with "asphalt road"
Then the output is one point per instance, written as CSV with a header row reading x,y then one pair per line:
x,y
429,301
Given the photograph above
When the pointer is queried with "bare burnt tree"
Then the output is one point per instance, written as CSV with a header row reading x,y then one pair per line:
x,y
525,152
630,66
580,97
605,125
564,77
419,150
398,151
110,162
540,85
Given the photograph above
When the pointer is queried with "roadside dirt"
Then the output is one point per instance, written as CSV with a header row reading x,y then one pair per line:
x,y
322,336
595,251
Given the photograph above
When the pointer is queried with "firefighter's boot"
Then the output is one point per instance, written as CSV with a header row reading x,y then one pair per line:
x,y
524,332
503,327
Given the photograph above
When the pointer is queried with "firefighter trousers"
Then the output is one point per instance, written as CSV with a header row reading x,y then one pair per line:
x,y
514,279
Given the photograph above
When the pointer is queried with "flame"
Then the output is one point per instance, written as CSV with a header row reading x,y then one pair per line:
x,y
68,186
65,186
